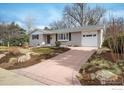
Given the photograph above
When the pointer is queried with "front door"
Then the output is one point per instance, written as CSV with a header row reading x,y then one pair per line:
x,y
48,39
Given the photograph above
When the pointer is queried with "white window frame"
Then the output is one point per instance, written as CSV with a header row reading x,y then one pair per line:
x,y
35,37
63,37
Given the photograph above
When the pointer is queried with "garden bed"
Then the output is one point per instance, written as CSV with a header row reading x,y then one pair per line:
x,y
101,62
10,61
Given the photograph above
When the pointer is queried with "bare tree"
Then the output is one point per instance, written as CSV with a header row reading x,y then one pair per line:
x,y
29,23
58,24
93,16
9,32
83,15
76,13
5,33
79,14
115,36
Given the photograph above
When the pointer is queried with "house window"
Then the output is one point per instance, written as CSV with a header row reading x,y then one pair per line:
x,y
63,37
35,37
94,35
88,35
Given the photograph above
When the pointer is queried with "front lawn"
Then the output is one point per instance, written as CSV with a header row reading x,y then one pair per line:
x,y
3,49
100,69
17,57
44,50
49,50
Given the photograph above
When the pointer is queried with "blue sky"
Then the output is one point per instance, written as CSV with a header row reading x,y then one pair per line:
x,y
46,13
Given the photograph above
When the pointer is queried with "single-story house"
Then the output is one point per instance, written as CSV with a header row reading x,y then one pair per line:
x,y
86,36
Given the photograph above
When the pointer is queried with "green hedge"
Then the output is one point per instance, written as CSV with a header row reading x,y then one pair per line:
x,y
18,41
57,43
119,43
15,42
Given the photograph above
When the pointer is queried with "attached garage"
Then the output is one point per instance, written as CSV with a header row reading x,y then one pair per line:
x,y
89,39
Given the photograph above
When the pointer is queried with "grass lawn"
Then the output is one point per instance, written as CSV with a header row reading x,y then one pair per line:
x,y
3,49
10,61
43,50
48,50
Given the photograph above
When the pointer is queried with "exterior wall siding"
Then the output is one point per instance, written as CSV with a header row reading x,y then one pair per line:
x,y
75,39
101,36
53,39
99,39
36,42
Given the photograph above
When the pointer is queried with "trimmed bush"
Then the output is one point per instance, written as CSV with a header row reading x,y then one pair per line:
x,y
57,43
16,41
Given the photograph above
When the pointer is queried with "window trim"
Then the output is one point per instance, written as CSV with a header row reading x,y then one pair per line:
x,y
63,37
89,35
35,37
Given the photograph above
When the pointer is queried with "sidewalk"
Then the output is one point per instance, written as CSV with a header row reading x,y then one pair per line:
x,y
10,78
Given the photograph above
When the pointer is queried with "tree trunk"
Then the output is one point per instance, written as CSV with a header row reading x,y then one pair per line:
x,y
8,43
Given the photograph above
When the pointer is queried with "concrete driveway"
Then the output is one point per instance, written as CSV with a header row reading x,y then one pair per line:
x,y
59,70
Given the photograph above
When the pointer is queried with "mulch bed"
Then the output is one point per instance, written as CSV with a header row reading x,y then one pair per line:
x,y
34,59
108,56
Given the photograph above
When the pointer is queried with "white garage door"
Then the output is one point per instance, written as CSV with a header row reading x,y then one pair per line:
x,y
89,39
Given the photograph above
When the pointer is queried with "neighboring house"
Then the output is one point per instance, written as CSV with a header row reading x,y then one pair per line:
x,y
87,36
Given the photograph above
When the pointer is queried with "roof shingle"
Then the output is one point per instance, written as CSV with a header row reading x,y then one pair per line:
x,y
66,30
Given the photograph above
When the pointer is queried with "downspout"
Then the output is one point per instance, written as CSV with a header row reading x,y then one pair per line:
x,y
102,31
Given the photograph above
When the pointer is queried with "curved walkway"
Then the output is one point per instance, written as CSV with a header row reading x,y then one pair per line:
x,y
59,70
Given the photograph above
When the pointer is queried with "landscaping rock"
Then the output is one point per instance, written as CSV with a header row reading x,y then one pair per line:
x,y
12,60
24,58
34,54
86,76
93,76
102,50
79,76
116,69
99,51
6,53
121,64
2,55
105,75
